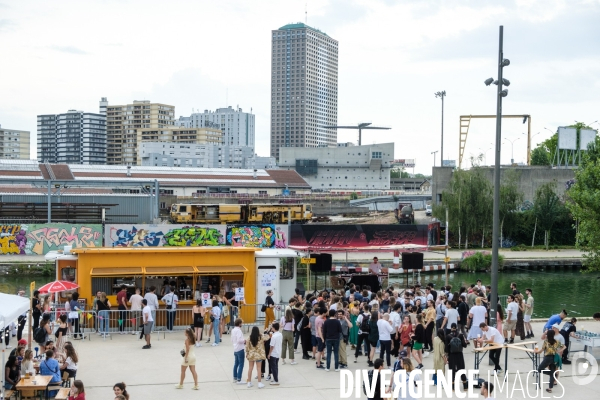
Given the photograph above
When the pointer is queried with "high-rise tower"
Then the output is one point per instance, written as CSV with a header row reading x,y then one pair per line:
x,y
304,79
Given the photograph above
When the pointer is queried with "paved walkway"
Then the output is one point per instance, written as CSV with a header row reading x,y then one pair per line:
x,y
152,374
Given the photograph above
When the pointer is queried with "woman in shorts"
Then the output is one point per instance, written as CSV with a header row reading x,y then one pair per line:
x,y
198,310
419,339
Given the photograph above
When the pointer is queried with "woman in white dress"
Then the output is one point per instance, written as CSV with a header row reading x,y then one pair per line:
x,y
477,315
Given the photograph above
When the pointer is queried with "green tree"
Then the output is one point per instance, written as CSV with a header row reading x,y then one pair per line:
x,y
510,200
548,209
469,203
540,156
584,204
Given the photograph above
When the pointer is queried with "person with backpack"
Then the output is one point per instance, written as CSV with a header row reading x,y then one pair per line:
x,y
373,335
375,380
40,334
171,300
455,343
363,333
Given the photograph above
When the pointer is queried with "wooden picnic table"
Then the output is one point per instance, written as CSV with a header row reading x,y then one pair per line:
x,y
533,356
41,383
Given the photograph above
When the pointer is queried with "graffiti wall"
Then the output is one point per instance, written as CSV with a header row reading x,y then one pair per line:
x,y
145,235
354,236
22,239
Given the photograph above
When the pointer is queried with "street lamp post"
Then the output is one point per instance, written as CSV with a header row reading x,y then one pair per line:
x,y
512,148
496,218
442,95
434,153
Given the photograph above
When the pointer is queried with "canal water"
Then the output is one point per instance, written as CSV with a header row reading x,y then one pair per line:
x,y
553,290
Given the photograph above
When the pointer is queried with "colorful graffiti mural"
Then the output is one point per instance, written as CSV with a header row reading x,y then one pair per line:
x,y
251,236
265,236
193,236
23,239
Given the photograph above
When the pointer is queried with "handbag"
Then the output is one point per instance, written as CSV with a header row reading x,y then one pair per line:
x,y
182,352
263,308
212,318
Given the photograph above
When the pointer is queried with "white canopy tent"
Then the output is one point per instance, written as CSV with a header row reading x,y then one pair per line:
x,y
11,306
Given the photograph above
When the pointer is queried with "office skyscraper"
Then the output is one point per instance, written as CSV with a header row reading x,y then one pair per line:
x,y
304,88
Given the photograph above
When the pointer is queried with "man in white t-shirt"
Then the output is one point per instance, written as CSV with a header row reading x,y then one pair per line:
x,y
275,353
510,324
148,323
450,317
152,299
494,337
171,300
375,267
136,307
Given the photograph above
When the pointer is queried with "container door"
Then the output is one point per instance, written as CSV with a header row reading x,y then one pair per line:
x,y
267,278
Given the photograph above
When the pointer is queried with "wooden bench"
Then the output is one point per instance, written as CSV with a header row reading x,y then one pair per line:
x,y
8,394
62,394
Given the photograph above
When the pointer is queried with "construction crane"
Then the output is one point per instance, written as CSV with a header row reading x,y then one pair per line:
x,y
360,127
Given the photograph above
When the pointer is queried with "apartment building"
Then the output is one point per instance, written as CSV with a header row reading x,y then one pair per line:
x,y
123,123
14,144
304,88
75,137
238,127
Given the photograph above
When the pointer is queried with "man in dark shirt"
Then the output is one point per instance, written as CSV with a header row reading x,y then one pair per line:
x,y
332,330
377,366
568,330
233,305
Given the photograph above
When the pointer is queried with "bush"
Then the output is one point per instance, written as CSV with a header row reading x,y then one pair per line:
x,y
477,261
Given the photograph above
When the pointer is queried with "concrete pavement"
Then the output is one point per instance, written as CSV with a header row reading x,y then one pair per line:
x,y
152,374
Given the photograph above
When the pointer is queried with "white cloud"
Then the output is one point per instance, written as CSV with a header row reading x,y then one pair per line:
x,y
393,57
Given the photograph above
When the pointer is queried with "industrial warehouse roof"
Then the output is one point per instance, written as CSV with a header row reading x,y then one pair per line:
x,y
166,176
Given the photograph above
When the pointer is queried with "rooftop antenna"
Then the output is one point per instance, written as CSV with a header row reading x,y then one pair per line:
x,y
306,13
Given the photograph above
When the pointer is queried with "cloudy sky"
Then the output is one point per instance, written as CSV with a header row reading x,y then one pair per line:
x,y
393,57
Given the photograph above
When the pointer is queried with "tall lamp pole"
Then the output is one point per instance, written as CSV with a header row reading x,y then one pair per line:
x,y
512,149
442,95
496,219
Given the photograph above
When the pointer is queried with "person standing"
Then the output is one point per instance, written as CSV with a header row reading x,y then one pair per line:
x,y
255,354
215,314
275,353
385,329
171,300
439,353
418,338
306,334
362,321
528,313
189,359
332,329
122,305
492,336
198,310
36,309
320,337
148,323
233,306
551,349
152,300
520,326
429,324
342,316
239,343
136,309
103,308
477,315
375,267
450,317
22,318
463,313
288,327
74,316
269,310
455,343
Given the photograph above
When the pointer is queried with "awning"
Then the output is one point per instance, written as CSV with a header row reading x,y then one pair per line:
x,y
117,271
224,269
165,270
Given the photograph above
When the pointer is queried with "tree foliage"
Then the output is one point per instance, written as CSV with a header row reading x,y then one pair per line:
x,y
584,203
548,209
510,200
540,156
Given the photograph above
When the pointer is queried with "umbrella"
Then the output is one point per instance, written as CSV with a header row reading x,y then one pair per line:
x,y
58,286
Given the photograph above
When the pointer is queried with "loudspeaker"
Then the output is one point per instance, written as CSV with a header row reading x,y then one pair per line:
x,y
412,261
323,262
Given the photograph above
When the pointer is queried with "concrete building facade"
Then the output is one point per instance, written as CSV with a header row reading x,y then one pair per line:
x,y
123,123
75,137
304,88
14,144
238,127
342,168
171,154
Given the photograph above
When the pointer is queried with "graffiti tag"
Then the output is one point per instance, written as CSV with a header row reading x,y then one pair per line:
x,y
137,238
55,237
13,239
192,236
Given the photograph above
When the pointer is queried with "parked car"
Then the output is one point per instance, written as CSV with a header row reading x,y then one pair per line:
x,y
428,210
